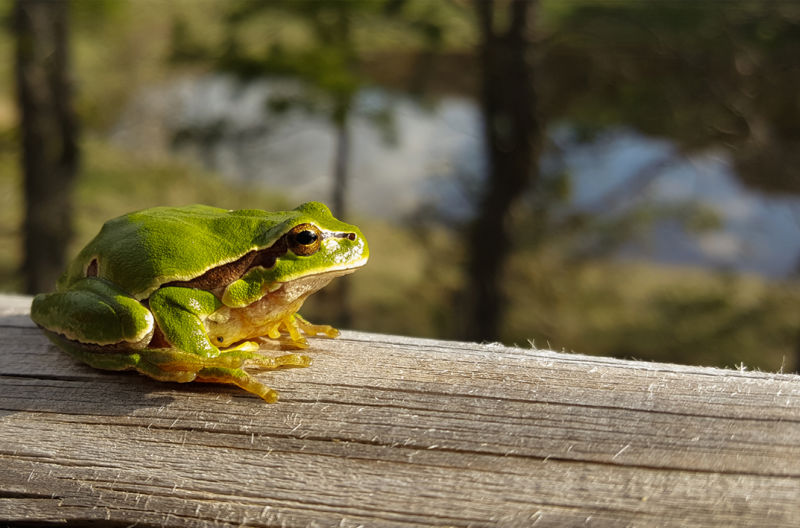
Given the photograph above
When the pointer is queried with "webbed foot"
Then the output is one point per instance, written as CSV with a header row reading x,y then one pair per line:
x,y
228,367
288,330
314,329
169,364
240,378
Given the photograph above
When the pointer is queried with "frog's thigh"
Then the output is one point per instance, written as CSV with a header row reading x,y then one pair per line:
x,y
179,313
237,377
122,361
94,311
99,359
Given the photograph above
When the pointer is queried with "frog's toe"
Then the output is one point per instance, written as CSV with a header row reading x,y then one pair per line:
x,y
290,342
315,329
285,361
239,378
287,332
293,360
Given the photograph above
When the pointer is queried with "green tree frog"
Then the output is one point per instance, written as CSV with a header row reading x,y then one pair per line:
x,y
180,293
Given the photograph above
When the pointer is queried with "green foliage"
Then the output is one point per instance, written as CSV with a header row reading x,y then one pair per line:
x,y
658,313
587,305
322,43
701,73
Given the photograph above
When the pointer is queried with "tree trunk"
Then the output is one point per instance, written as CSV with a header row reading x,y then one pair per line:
x,y
513,138
49,137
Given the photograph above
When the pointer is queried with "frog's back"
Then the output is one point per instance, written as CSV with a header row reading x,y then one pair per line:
x,y
140,251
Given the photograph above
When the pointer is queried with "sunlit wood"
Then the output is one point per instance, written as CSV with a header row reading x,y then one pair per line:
x,y
390,431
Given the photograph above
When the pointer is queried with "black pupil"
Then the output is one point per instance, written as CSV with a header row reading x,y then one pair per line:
x,y
306,237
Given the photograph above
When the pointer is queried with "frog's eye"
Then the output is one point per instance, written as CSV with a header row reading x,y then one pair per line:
x,y
304,239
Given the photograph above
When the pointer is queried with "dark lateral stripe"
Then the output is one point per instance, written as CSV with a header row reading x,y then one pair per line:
x,y
232,271
227,273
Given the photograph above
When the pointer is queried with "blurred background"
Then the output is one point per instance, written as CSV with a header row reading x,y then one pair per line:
x,y
606,177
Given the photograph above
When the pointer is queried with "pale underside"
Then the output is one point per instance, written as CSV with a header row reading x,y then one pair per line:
x,y
268,316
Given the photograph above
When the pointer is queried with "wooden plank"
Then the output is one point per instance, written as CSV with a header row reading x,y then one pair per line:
x,y
393,431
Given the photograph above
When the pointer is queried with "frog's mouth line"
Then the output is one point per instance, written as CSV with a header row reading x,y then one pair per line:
x,y
323,276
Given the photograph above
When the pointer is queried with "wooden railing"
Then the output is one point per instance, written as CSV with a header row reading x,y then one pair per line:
x,y
395,431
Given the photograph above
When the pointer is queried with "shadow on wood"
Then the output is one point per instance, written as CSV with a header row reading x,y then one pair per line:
x,y
393,431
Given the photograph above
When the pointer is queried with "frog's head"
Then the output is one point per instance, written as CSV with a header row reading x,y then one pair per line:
x,y
316,242
310,247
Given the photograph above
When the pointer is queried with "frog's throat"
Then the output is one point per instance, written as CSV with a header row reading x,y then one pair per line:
x,y
256,319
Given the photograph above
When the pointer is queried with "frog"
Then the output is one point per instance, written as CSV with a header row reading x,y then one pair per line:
x,y
190,293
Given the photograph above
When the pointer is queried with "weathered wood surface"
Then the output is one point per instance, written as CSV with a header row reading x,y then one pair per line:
x,y
391,431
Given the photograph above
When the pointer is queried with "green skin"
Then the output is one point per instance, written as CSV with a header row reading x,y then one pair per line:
x,y
117,306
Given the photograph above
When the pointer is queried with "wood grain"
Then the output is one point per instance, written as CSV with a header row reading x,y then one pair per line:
x,y
394,431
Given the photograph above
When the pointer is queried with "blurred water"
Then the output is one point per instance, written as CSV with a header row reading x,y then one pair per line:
x,y
406,155
758,233
230,128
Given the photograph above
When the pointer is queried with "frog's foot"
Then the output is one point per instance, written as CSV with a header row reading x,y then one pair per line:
x,y
238,377
237,357
285,361
313,329
250,359
287,325
288,330
225,368
246,354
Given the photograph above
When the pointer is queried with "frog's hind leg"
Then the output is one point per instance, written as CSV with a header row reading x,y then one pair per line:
x,y
175,365
252,359
214,370
224,374
238,377
247,353
124,361
159,373
92,355
226,368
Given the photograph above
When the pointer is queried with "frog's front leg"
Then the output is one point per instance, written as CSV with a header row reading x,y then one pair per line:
x,y
180,314
295,326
